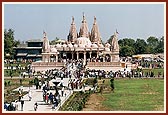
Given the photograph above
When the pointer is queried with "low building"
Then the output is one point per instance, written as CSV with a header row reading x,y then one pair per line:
x,y
31,50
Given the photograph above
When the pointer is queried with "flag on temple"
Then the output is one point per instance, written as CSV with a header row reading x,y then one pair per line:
x,y
117,31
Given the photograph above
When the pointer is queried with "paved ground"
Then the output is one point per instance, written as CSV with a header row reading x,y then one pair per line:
x,y
37,96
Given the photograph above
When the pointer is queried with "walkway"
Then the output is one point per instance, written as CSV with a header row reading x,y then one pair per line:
x,y
37,96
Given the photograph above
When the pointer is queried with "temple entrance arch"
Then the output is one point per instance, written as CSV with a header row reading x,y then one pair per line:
x,y
81,55
94,54
75,55
69,55
87,55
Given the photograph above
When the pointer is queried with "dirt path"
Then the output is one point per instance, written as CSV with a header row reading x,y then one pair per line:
x,y
94,103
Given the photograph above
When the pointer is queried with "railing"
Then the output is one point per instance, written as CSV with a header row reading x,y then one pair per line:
x,y
47,64
103,64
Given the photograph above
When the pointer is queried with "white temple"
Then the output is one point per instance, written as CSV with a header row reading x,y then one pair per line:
x,y
83,45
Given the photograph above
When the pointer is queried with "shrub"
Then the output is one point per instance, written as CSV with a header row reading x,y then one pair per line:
x,y
76,102
9,83
30,82
5,83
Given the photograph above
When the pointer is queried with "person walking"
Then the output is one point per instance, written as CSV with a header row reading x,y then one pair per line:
x,y
35,106
62,91
20,94
112,84
16,105
29,95
22,103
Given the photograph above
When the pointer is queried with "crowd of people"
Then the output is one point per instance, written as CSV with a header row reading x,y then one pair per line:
x,y
75,70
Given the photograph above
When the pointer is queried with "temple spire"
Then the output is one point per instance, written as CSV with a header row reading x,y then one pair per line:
x,y
84,31
44,33
95,34
84,20
73,20
46,46
114,43
73,32
94,19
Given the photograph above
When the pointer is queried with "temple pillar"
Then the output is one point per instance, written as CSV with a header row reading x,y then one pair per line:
x,y
84,58
90,54
97,54
56,57
49,59
111,58
103,58
77,55
45,58
72,55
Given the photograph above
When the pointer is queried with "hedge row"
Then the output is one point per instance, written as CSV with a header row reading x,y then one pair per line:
x,y
76,101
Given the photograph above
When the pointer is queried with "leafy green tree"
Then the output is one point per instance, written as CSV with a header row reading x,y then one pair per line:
x,y
152,44
126,51
54,41
9,43
140,46
160,47
126,41
129,46
126,47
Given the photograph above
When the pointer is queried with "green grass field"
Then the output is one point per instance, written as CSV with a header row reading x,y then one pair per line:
x,y
135,95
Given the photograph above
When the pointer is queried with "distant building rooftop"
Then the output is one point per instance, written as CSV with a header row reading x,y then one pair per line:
x,y
35,40
23,45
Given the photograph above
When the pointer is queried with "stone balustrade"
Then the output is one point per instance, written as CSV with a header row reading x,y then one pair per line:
x,y
47,64
103,64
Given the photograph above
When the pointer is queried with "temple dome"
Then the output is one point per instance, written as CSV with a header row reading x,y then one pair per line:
x,y
70,45
81,46
64,45
94,45
100,45
83,41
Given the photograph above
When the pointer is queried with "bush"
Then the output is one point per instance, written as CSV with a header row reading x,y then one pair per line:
x,y
5,83
31,82
9,83
76,102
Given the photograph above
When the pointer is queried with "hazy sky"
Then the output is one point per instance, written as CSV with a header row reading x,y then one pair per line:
x,y
131,20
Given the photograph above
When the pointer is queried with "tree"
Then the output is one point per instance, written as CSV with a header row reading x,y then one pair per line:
x,y
160,47
140,46
127,41
126,51
9,43
126,47
152,43
53,42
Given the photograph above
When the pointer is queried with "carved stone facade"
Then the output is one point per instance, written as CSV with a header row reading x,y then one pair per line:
x,y
84,46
